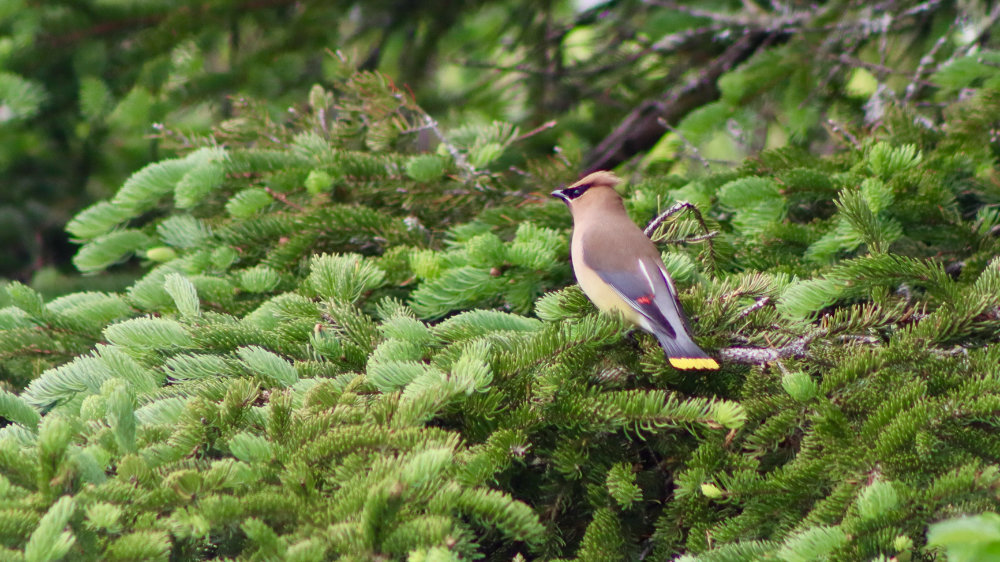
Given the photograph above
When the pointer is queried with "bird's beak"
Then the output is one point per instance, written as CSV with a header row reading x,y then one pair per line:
x,y
558,194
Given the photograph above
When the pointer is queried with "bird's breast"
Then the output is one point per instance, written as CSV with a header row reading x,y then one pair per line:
x,y
599,292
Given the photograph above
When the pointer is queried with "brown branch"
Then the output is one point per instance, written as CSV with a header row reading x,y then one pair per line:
x,y
543,127
281,197
642,128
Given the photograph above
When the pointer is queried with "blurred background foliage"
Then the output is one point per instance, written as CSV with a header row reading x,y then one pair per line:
x,y
91,91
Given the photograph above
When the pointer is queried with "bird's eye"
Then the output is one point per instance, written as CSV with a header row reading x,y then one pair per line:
x,y
576,191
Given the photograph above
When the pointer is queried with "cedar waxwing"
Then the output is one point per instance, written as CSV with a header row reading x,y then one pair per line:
x,y
619,269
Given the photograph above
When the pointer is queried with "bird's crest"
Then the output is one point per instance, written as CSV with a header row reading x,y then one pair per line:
x,y
595,179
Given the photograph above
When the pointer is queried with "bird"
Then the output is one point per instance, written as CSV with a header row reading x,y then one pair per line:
x,y
620,270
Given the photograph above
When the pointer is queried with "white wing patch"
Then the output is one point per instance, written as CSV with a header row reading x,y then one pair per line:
x,y
666,278
642,267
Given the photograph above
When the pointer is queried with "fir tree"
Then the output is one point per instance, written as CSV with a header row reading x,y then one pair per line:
x,y
347,347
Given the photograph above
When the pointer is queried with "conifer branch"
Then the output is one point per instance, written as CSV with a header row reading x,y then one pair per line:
x,y
796,349
369,353
709,234
761,355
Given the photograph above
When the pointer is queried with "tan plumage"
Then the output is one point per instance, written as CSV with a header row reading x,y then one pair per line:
x,y
620,269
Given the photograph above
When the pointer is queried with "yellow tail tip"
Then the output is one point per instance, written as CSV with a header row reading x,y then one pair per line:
x,y
685,363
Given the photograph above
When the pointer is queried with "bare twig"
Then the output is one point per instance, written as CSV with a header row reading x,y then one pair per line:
x,y
281,197
717,17
838,129
673,41
914,86
957,350
883,39
466,170
698,238
879,68
520,172
758,20
543,127
655,223
849,36
796,349
921,8
761,355
871,340
522,68
755,306
694,149
709,234
558,152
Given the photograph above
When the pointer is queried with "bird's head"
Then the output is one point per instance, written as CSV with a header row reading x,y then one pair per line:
x,y
596,179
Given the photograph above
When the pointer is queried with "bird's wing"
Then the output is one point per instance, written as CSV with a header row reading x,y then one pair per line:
x,y
631,266
649,291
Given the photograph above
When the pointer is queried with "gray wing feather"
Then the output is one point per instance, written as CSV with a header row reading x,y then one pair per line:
x,y
651,293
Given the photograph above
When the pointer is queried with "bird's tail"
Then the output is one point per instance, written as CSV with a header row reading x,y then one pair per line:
x,y
684,354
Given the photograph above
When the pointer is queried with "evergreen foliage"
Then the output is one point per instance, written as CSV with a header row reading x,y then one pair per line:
x,y
347,344
968,538
91,91
327,358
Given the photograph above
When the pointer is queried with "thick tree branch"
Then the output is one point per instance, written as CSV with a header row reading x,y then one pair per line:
x,y
644,126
